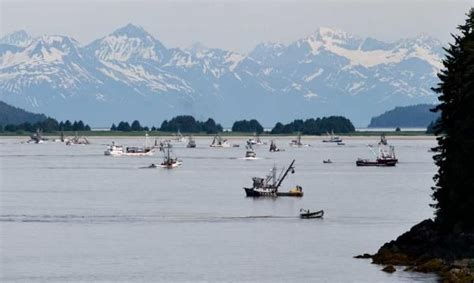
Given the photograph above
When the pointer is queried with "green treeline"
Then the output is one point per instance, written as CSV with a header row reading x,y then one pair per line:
x,y
183,123
126,127
48,125
244,126
187,124
317,126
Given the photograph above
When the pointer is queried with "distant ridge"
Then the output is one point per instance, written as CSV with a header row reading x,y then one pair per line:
x,y
407,116
10,115
130,74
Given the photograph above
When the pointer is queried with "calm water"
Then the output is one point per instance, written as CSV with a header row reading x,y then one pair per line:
x,y
69,213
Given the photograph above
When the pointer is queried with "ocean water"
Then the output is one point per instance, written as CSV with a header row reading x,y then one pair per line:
x,y
69,213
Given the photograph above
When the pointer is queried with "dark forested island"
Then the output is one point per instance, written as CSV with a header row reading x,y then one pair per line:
x,y
405,117
317,126
10,115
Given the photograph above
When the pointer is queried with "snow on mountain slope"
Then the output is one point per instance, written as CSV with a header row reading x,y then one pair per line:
x,y
321,72
53,60
18,38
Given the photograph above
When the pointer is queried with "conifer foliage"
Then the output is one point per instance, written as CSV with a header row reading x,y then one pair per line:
x,y
454,189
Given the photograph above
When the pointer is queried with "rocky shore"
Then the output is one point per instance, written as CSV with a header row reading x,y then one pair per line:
x,y
424,249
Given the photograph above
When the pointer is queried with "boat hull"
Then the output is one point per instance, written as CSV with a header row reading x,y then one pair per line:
x,y
311,215
249,192
378,162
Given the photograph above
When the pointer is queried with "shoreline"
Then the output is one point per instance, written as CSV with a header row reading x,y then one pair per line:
x,y
161,135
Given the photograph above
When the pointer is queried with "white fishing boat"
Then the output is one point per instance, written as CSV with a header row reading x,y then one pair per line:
x,y
256,140
119,150
218,141
114,150
179,137
169,160
250,152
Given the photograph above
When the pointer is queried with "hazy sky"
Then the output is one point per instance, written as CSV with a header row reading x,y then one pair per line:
x,y
231,24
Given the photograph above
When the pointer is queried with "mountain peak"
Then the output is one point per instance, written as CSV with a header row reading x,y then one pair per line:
x,y
19,38
132,30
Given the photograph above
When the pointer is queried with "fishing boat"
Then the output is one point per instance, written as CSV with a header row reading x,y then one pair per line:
x,y
179,137
169,161
191,142
268,186
118,150
256,140
218,141
307,214
297,142
250,152
37,137
383,140
384,157
332,138
274,148
76,140
327,161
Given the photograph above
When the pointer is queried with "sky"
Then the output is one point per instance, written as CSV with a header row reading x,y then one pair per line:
x,y
234,25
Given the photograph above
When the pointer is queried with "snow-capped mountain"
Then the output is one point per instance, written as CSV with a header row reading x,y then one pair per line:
x,y
18,38
129,74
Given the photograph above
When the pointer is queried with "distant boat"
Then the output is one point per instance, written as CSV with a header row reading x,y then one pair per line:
x,y
191,143
250,152
37,137
384,157
118,150
76,140
274,148
169,161
179,137
307,214
268,186
332,138
297,142
383,140
256,140
327,161
218,141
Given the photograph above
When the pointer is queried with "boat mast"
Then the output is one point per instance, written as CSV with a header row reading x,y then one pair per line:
x,y
146,139
286,173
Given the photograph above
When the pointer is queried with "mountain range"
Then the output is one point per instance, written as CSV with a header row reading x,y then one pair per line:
x,y
129,74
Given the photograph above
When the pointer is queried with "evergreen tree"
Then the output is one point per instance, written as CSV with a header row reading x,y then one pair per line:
x,y
454,189
67,126
136,126
124,127
113,127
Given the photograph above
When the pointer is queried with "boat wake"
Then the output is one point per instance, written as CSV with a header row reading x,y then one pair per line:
x,y
102,219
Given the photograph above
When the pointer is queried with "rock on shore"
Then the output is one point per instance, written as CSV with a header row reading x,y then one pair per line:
x,y
425,249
